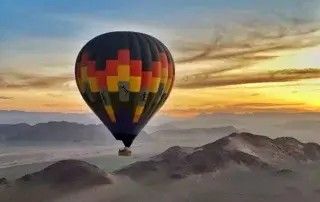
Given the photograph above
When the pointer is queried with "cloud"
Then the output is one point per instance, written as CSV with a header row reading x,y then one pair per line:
x,y
51,105
245,49
239,107
260,77
54,95
248,54
255,94
276,85
17,80
264,105
5,98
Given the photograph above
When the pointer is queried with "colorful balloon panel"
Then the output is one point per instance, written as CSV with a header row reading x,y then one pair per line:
x,y
125,78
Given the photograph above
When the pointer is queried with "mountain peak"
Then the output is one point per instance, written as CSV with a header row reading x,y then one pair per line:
x,y
252,151
68,173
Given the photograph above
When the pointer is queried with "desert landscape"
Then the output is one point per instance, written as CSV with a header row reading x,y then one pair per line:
x,y
173,161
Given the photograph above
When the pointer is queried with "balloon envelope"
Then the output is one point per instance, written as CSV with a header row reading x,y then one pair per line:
x,y
125,78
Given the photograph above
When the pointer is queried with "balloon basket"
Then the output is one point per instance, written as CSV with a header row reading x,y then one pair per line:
x,y
124,152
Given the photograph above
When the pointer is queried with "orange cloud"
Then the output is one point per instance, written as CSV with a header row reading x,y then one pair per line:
x,y
15,80
5,98
239,51
239,108
263,77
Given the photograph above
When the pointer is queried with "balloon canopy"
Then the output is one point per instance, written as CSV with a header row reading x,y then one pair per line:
x,y
125,78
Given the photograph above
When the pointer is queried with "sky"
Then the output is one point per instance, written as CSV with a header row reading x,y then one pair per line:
x,y
231,56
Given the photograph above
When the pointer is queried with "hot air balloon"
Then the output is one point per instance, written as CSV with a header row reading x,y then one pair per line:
x,y
125,78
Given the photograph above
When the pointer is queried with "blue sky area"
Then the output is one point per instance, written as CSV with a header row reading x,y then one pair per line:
x,y
41,17
41,32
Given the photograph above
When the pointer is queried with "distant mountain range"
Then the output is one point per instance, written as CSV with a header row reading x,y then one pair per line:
x,y
267,118
15,116
298,125
53,131
75,132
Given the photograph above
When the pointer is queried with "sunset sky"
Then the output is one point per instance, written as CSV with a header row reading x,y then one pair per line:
x,y
231,56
